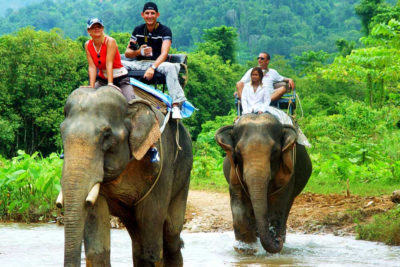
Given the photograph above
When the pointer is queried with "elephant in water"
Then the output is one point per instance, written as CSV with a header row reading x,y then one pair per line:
x,y
266,169
100,133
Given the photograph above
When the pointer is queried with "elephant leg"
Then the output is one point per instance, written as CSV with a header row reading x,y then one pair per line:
x,y
244,223
97,234
173,227
131,227
146,230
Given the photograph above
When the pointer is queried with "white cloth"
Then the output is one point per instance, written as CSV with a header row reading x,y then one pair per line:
x,y
255,101
269,78
285,119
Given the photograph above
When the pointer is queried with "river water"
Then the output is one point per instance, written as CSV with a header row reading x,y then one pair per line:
x,y
42,245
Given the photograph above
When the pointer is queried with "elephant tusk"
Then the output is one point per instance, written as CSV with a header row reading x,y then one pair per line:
x,y
92,196
60,200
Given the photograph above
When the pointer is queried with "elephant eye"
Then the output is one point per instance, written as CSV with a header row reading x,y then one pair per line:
x,y
108,140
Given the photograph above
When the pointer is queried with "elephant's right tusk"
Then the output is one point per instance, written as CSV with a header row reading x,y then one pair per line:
x,y
92,196
60,200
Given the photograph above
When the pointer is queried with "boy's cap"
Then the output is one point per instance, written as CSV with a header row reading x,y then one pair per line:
x,y
151,6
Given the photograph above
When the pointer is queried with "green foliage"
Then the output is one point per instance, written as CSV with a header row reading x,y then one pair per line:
x,y
359,144
366,10
208,156
29,186
384,228
309,61
38,70
122,40
345,47
210,88
285,28
220,41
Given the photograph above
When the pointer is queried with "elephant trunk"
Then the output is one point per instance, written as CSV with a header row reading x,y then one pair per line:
x,y
80,186
257,180
74,222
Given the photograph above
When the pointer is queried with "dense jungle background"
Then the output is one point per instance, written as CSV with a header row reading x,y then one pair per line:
x,y
344,56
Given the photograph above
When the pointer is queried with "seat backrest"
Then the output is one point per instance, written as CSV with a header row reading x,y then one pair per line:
x,y
173,58
177,58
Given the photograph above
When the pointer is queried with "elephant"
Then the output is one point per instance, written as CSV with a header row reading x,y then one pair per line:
x,y
266,169
106,171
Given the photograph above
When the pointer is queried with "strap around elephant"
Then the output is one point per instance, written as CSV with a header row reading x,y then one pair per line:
x,y
158,177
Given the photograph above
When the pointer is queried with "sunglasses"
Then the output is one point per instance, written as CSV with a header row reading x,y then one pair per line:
x,y
98,56
261,58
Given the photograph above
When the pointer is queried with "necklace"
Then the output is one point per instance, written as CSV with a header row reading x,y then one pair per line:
x,y
95,49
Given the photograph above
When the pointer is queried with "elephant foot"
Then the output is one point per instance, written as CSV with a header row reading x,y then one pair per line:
x,y
246,248
98,261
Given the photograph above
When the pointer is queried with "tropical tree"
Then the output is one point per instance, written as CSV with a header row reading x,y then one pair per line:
x,y
220,41
38,71
377,66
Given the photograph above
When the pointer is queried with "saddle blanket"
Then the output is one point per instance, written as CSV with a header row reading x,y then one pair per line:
x,y
187,108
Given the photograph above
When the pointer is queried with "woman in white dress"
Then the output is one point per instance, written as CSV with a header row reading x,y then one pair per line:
x,y
256,97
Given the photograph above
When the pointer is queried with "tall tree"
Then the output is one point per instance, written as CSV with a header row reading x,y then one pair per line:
x,y
38,71
366,10
220,41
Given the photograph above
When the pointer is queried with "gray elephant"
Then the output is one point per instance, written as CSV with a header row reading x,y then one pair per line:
x,y
100,133
266,169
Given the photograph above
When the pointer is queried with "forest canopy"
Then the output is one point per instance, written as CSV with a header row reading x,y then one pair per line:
x,y
279,26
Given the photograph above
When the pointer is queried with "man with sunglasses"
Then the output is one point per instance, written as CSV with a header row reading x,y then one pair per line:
x,y
270,77
150,44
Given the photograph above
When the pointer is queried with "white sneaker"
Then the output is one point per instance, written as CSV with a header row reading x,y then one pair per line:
x,y
176,113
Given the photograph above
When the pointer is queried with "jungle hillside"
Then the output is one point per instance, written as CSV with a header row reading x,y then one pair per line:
x,y
343,55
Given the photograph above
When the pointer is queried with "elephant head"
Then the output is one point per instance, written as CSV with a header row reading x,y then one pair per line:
x,y
100,135
259,158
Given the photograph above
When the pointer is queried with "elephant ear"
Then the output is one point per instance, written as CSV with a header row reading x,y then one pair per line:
x,y
286,168
145,129
224,138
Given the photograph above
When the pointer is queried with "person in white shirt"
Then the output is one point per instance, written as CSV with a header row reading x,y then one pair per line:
x,y
256,96
270,76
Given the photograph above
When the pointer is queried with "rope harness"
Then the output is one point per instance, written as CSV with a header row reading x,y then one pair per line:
x,y
166,119
158,176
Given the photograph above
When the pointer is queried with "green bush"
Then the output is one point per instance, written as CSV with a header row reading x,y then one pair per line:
x,y
359,144
29,186
384,228
208,156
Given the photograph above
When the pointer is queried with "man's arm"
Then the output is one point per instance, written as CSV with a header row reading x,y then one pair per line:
x,y
239,88
166,45
291,82
240,84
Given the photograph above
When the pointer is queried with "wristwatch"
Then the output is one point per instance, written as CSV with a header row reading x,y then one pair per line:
x,y
153,67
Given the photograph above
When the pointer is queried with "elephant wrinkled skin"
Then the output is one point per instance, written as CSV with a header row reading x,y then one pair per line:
x,y
100,133
266,169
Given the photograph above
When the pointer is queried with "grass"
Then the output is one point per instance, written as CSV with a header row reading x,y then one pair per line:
x,y
384,228
334,186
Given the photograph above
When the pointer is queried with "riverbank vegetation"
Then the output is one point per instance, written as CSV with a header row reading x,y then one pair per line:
x,y
348,107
